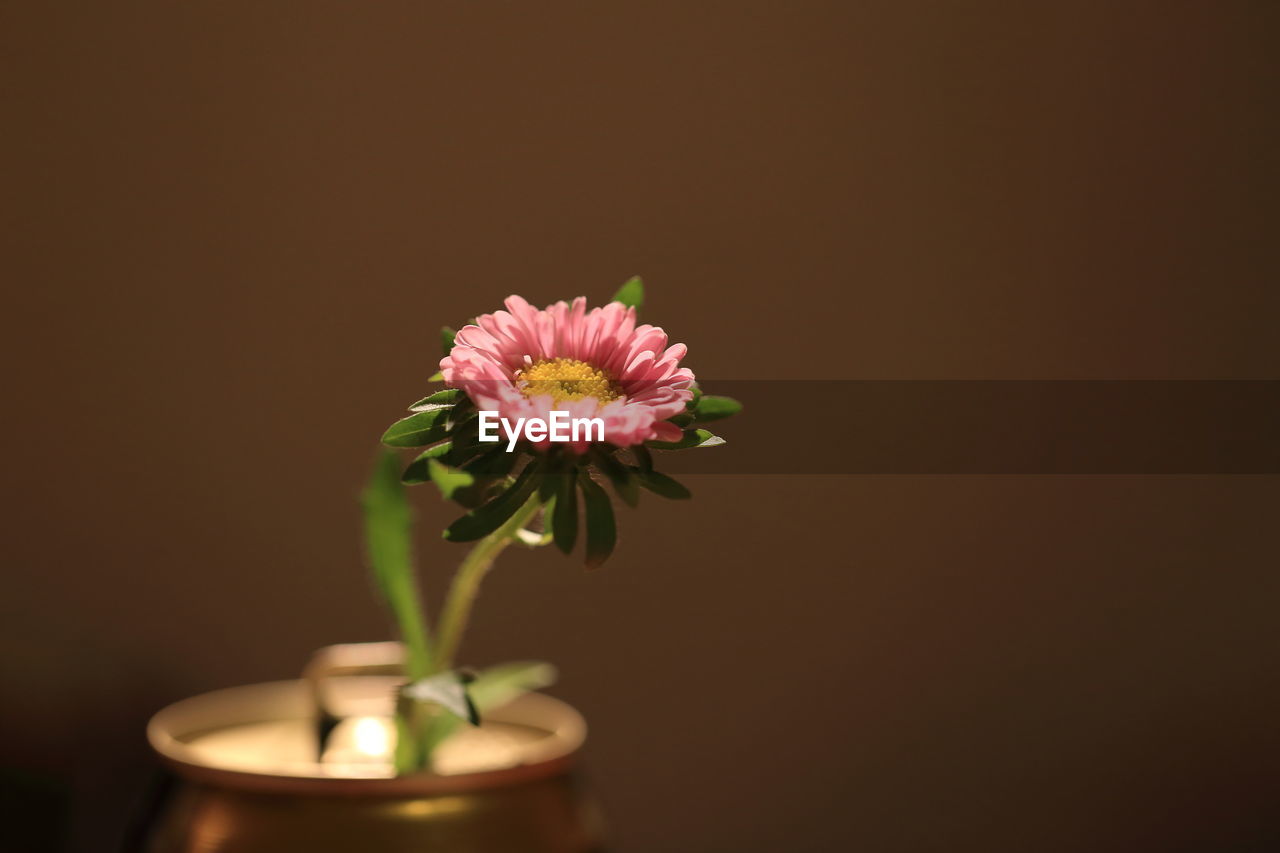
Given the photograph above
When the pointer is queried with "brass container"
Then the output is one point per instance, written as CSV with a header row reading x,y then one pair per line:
x,y
251,779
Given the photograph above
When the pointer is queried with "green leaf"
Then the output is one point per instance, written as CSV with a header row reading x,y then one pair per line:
x,y
448,480
493,688
387,520
446,338
418,429
480,492
494,462
464,414
564,515
661,484
602,531
644,459
692,438
490,469
631,294
436,377
447,690
683,419
715,408
547,488
466,445
439,400
417,471
387,543
488,517
619,476
498,685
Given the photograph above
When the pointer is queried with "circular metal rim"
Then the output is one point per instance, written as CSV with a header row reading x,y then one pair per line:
x,y
552,756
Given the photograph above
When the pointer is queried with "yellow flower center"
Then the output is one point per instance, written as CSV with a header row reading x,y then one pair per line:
x,y
567,379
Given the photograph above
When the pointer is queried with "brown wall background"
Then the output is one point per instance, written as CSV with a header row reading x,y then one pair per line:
x,y
232,230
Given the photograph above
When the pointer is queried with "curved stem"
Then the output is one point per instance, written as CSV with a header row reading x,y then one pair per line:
x,y
466,583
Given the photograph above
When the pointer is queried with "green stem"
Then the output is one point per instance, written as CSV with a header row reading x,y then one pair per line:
x,y
466,583
418,724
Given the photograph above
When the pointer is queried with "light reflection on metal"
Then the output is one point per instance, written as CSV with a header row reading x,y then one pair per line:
x,y
435,807
372,736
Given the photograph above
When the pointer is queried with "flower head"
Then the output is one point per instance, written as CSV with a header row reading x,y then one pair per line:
x,y
595,368
525,363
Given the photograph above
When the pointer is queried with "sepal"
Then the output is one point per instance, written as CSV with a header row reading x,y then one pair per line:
x,y
631,294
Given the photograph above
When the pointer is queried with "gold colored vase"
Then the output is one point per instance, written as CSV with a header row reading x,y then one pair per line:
x,y
253,780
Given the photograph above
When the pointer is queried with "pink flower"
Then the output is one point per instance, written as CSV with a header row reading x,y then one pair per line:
x,y
524,363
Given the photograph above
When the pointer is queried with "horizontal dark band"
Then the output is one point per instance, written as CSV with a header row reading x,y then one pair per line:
x,y
992,427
